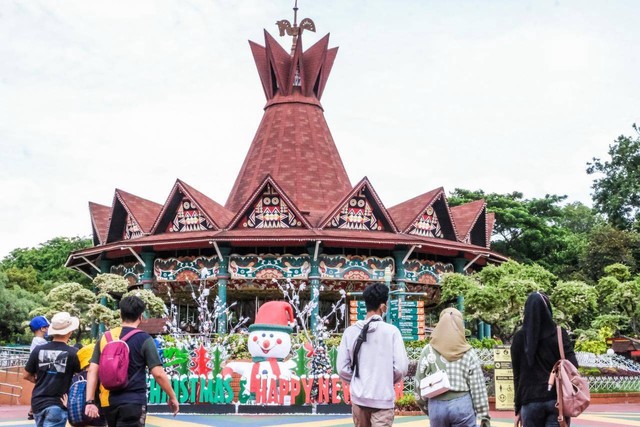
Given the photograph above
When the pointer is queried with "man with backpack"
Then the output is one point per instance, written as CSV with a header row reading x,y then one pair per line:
x,y
372,358
51,367
120,361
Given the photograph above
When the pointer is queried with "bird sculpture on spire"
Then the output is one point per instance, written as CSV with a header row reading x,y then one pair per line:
x,y
295,30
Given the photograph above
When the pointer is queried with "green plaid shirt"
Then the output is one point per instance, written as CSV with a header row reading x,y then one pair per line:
x,y
464,374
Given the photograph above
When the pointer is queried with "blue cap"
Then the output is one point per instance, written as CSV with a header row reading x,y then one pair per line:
x,y
38,322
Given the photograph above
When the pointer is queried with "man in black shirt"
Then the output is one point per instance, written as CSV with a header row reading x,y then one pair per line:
x,y
128,407
51,367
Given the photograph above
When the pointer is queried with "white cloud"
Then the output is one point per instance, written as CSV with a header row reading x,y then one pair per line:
x,y
501,96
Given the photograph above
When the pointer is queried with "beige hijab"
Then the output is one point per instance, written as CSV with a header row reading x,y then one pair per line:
x,y
448,336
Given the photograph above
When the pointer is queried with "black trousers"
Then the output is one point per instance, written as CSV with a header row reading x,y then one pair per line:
x,y
126,415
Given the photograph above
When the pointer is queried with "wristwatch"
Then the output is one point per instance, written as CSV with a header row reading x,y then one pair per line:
x,y
90,402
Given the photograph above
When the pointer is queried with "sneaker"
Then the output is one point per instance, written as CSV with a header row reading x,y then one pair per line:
x,y
30,415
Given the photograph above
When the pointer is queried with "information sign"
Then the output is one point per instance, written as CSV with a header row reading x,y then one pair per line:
x,y
503,375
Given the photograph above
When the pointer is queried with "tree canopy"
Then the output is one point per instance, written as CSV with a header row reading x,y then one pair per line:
x,y
616,188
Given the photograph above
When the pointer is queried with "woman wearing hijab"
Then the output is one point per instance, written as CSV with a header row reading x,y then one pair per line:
x,y
467,397
534,351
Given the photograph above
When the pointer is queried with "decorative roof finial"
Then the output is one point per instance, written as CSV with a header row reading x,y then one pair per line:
x,y
285,26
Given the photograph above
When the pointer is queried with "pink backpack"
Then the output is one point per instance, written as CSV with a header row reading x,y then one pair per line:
x,y
572,389
113,369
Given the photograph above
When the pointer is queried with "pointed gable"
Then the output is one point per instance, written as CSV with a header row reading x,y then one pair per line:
x,y
131,216
470,220
100,216
491,221
279,62
314,59
269,207
360,209
426,215
187,209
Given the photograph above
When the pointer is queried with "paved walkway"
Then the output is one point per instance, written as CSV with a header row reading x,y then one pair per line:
x,y
596,416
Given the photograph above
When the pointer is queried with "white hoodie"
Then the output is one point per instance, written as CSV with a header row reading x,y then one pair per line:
x,y
382,363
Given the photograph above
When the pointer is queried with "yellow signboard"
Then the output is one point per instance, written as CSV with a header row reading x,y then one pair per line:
x,y
503,376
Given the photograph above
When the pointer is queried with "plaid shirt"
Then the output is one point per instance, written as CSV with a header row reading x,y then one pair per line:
x,y
465,374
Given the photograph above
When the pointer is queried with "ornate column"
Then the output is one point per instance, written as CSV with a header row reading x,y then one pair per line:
x,y
481,326
400,276
223,279
105,267
458,266
147,276
314,282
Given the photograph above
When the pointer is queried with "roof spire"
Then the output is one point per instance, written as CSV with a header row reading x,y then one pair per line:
x,y
285,26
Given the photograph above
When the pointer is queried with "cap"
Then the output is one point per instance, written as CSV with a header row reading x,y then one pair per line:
x,y
38,322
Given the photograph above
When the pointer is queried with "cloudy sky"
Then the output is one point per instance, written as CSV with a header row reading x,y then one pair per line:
x,y
493,95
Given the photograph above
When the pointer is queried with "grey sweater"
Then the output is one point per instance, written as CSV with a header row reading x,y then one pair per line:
x,y
382,363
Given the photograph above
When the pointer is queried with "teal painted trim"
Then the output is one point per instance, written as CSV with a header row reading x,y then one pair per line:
x,y
105,267
480,330
223,276
314,281
458,265
487,330
147,275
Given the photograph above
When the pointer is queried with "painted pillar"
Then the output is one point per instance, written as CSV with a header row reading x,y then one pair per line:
x,y
105,267
487,330
223,279
147,275
481,326
400,275
314,282
458,266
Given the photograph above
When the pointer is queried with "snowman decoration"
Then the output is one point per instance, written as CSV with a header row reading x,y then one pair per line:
x,y
269,344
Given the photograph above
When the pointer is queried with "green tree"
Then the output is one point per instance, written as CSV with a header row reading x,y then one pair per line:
x,y
619,300
48,260
616,192
607,245
577,301
497,294
538,230
15,307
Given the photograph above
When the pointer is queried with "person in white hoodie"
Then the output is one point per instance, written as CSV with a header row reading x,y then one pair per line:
x,y
372,358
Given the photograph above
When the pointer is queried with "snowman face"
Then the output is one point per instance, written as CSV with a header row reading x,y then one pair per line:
x,y
264,343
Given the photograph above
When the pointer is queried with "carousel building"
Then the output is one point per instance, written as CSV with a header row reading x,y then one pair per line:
x,y
293,214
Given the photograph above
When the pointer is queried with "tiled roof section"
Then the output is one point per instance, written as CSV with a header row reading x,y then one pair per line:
x,y
143,211
406,213
233,223
313,61
376,202
280,62
293,144
491,221
217,213
326,70
465,216
100,216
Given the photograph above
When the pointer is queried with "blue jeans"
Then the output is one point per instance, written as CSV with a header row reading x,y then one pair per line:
x,y
541,414
452,413
51,416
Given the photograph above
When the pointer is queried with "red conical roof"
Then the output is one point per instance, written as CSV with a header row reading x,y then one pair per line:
x,y
293,143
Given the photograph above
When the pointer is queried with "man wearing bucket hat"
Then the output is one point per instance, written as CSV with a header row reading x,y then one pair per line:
x,y
51,367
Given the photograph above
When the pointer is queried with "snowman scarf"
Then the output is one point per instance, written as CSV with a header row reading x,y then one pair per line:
x,y
255,382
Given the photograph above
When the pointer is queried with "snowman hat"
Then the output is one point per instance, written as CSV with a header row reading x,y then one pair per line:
x,y
274,316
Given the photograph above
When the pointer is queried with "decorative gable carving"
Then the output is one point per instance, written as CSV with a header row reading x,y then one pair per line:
x,y
270,210
188,218
427,224
131,229
357,214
